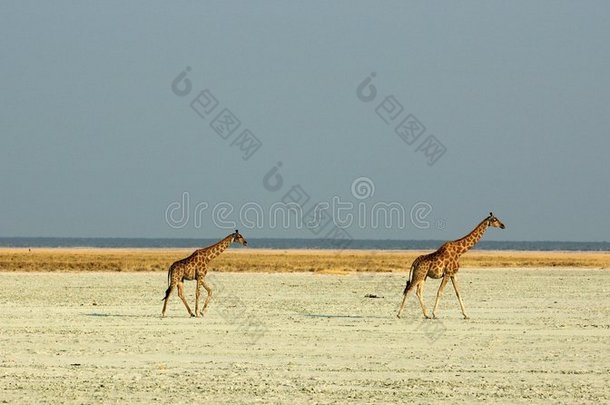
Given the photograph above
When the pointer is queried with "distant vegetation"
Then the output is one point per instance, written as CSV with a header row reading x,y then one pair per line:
x,y
252,260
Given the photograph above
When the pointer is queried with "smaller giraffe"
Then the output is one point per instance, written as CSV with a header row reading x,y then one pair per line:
x,y
194,267
444,263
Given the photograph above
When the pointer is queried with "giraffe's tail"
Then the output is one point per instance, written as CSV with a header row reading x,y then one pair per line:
x,y
408,280
169,287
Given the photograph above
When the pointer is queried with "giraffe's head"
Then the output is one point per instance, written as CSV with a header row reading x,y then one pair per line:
x,y
237,237
495,222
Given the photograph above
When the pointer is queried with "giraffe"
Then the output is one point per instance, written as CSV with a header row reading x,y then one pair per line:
x,y
444,263
194,267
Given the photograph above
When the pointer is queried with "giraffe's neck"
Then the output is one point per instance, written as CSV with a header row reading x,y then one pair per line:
x,y
219,247
467,242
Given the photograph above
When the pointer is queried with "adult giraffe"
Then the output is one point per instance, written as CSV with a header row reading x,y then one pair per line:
x,y
194,267
444,263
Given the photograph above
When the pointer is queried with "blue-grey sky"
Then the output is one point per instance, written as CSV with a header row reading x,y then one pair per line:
x,y
95,142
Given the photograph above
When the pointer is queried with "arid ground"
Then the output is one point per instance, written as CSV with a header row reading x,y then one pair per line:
x,y
537,334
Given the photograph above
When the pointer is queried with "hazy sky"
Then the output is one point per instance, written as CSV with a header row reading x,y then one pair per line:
x,y
95,141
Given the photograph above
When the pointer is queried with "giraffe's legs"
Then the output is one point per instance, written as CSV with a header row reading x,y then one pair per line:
x,y
167,294
197,295
439,294
457,292
180,286
419,292
208,298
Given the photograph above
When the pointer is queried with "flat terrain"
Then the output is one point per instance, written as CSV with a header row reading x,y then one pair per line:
x,y
536,335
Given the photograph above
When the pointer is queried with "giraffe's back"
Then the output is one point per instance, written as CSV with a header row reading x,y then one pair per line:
x,y
432,265
187,268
